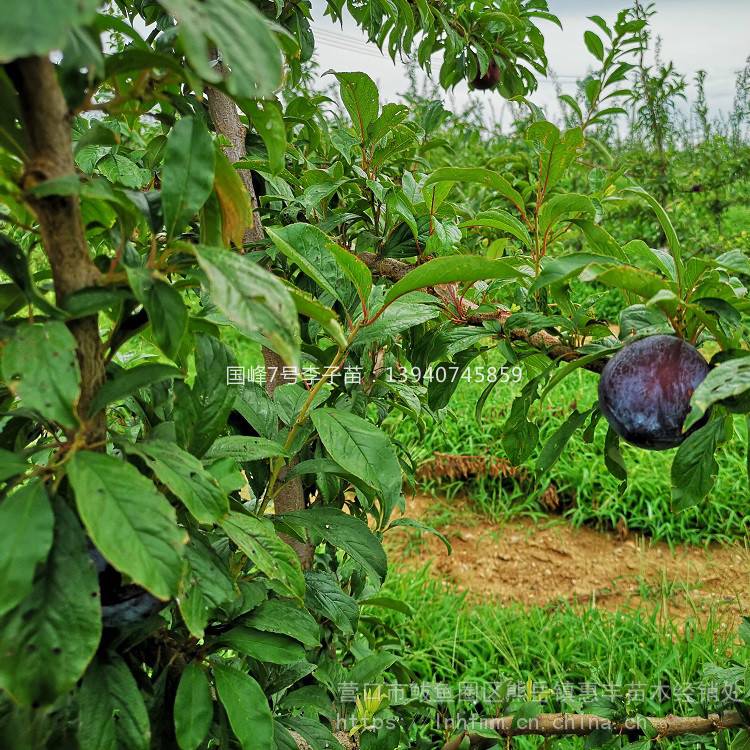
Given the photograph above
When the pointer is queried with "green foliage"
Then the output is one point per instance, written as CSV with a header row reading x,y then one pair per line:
x,y
190,559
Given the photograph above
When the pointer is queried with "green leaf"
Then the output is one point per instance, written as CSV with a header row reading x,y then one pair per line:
x,y
286,239
733,260
727,380
467,268
258,409
559,206
283,738
486,177
308,306
304,244
500,220
397,317
11,464
594,44
212,397
325,598
185,477
628,278
573,104
359,95
556,151
40,367
206,585
391,116
253,299
11,138
246,706
613,459
37,27
327,466
111,712
244,448
263,646
120,170
367,670
126,382
519,435
249,51
568,367
347,533
638,253
266,117
26,528
193,708
130,522
600,240
666,224
557,270
694,467
50,637
554,447
316,735
166,310
310,698
257,538
286,617
289,399
188,175
361,449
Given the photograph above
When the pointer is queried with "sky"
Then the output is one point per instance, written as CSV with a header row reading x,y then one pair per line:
x,y
713,35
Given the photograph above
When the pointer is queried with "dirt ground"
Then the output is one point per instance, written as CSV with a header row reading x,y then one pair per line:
x,y
537,563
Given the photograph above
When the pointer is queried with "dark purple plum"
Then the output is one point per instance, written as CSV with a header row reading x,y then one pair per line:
x,y
645,390
489,80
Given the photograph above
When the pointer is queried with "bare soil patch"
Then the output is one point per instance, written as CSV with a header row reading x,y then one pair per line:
x,y
539,563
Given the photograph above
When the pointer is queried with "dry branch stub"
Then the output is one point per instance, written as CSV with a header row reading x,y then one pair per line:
x,y
580,725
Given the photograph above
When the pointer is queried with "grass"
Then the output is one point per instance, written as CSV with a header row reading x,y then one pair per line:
x,y
590,494
452,640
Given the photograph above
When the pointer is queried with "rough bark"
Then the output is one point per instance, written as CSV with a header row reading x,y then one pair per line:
x,y
226,120
50,156
559,725
395,270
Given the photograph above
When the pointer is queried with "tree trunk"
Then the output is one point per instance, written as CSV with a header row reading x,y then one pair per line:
x,y
226,120
50,156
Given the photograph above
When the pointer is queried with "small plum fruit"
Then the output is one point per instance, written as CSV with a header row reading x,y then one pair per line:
x,y
489,80
645,390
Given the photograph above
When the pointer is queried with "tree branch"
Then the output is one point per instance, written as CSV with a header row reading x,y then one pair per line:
x,y
50,156
395,270
579,725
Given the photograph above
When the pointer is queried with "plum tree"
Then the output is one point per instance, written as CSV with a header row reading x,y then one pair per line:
x,y
645,390
489,80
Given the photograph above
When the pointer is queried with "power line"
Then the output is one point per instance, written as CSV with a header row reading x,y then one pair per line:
x,y
362,46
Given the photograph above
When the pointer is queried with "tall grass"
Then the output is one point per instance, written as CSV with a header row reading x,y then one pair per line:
x,y
556,649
